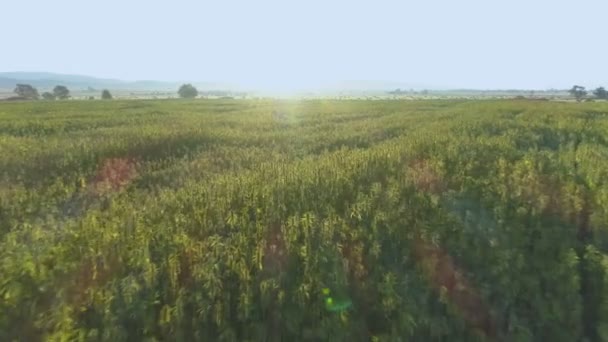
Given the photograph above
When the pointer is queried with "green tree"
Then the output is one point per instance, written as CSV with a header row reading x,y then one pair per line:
x,y
105,95
601,93
26,91
61,92
187,91
578,92
48,96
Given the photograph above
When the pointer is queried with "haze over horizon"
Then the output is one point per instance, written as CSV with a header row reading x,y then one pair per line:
x,y
278,46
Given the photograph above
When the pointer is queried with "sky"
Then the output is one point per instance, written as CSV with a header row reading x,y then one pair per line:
x,y
283,44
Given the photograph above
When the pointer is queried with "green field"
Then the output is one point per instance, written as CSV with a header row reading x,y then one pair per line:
x,y
243,220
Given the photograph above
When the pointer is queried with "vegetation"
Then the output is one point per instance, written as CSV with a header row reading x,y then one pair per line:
x,y
316,220
48,96
26,91
187,91
601,93
105,95
61,92
578,92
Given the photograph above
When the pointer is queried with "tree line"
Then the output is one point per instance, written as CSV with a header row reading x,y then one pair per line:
x,y
60,92
579,93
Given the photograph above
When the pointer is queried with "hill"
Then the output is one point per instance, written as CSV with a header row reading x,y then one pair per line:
x,y
45,80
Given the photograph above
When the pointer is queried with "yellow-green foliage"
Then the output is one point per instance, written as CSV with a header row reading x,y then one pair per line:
x,y
225,220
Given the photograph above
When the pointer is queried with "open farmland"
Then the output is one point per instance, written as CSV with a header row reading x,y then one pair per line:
x,y
243,220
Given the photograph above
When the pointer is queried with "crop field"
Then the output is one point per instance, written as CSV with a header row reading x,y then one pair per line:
x,y
317,220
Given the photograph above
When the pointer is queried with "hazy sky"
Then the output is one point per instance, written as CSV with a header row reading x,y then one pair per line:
x,y
288,44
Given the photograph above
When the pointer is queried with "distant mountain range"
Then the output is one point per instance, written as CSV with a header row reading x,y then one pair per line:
x,y
47,80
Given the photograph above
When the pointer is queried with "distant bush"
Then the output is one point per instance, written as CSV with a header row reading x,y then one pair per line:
x,y
61,92
105,95
48,96
601,93
187,91
578,92
26,91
